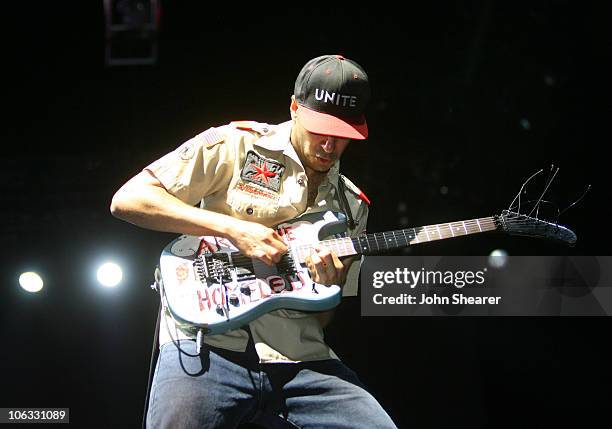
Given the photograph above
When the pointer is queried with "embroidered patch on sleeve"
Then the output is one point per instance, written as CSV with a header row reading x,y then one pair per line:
x,y
212,137
262,171
187,150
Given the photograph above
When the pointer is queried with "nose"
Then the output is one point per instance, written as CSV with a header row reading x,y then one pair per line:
x,y
329,144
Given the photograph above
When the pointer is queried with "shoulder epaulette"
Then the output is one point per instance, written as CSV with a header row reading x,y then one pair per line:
x,y
354,189
258,127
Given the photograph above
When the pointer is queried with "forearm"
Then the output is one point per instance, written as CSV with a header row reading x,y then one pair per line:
x,y
152,207
144,201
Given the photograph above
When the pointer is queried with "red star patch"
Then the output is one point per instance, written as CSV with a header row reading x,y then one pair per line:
x,y
263,173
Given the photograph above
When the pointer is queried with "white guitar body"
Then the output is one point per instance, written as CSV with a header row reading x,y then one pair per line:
x,y
208,286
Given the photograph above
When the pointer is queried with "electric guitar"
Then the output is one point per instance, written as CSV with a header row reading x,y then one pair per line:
x,y
208,287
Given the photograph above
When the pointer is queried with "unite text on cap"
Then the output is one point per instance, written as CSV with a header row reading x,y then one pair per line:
x,y
326,97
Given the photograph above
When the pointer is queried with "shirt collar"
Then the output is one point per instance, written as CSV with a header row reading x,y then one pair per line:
x,y
279,139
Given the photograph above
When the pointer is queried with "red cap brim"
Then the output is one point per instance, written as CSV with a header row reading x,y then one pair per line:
x,y
322,123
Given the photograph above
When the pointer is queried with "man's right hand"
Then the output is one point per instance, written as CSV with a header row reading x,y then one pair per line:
x,y
145,202
258,241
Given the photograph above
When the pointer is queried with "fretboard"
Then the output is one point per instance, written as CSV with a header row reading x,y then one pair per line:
x,y
381,242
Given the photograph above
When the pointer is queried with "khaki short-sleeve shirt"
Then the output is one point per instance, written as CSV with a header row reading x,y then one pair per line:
x,y
251,171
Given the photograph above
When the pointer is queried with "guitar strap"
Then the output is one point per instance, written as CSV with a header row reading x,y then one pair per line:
x,y
344,202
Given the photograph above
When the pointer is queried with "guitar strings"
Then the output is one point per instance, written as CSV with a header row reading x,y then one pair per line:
x,y
400,236
431,233
486,225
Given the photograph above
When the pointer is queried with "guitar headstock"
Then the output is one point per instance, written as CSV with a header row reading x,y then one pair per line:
x,y
518,224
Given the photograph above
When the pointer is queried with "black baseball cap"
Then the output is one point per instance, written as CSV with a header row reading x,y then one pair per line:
x,y
332,93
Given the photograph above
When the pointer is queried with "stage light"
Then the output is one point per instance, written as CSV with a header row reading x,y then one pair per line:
x,y
31,282
498,258
109,274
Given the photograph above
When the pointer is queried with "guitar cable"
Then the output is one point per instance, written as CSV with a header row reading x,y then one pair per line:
x,y
154,355
159,287
163,306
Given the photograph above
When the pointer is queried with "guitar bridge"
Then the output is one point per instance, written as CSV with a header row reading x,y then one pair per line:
x,y
221,267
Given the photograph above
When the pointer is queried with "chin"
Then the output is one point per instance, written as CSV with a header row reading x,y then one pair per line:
x,y
320,168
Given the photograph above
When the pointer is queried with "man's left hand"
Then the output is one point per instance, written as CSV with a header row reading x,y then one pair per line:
x,y
325,267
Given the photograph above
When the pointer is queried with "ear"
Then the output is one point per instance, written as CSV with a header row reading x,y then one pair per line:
x,y
293,107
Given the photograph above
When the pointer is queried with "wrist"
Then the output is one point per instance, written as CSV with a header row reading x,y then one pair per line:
x,y
228,226
206,222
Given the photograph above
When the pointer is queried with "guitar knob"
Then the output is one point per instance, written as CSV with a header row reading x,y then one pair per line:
x,y
245,290
219,310
234,300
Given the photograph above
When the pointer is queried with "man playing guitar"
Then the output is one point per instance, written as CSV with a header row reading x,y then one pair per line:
x,y
246,178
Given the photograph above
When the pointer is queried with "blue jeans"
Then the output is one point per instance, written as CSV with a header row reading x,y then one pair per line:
x,y
219,389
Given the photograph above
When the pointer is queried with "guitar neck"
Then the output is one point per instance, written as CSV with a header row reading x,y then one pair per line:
x,y
381,242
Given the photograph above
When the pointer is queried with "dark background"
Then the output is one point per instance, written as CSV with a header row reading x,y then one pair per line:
x,y
470,96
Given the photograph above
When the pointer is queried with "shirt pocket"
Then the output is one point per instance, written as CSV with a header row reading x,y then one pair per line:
x,y
248,201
